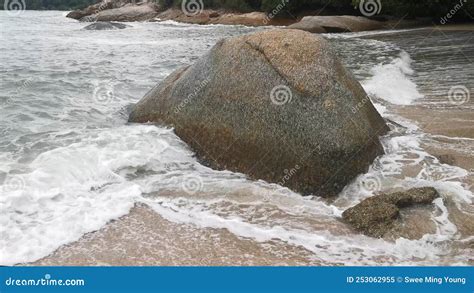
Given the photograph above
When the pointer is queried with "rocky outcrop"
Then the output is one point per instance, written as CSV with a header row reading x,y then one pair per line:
x,y
222,17
105,26
117,10
277,105
127,13
336,24
375,216
149,10
90,10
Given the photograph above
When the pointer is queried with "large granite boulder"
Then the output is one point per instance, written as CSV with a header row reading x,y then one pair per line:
x,y
336,24
277,105
376,215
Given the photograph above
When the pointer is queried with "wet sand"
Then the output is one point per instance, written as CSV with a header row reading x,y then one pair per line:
x,y
448,122
452,135
144,238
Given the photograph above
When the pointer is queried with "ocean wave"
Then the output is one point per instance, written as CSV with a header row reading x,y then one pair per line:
x,y
392,83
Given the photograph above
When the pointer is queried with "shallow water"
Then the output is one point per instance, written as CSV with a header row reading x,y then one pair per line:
x,y
69,162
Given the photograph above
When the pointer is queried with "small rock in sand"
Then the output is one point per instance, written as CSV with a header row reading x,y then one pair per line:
x,y
376,215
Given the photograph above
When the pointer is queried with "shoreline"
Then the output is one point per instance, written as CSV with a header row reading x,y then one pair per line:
x,y
143,238
316,21
309,21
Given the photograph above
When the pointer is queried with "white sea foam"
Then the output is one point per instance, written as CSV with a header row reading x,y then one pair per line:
x,y
391,81
327,247
369,33
76,189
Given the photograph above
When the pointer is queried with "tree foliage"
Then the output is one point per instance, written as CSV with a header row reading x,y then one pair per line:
x,y
51,4
399,8
464,9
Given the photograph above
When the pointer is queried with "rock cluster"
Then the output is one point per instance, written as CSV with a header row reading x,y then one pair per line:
x,y
376,215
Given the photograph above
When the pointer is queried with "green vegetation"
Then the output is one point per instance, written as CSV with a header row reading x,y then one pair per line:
x,y
400,8
50,4
464,9
427,8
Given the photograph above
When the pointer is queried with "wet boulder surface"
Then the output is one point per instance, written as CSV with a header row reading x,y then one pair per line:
x,y
276,105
